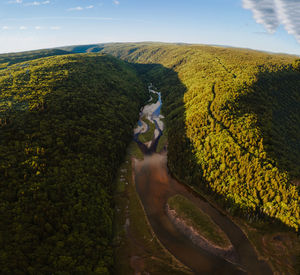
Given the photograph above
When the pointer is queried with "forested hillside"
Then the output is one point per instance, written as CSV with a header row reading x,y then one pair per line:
x,y
233,122
83,48
65,123
13,58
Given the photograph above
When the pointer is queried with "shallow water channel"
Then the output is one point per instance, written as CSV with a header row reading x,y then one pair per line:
x,y
155,185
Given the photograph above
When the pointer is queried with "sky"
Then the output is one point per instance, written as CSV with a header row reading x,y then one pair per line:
x,y
268,25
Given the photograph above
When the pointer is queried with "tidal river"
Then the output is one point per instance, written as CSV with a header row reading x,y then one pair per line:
x,y
155,185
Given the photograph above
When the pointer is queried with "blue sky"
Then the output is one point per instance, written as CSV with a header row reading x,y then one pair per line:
x,y
35,24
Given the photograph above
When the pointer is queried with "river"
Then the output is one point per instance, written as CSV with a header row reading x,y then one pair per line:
x,y
155,185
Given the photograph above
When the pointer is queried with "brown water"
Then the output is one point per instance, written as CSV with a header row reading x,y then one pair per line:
x,y
154,186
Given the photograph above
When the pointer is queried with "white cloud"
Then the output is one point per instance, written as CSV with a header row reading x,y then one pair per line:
x,y
79,8
55,28
15,2
272,13
38,28
76,9
36,3
116,2
98,18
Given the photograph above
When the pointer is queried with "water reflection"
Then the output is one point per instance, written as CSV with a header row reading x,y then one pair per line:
x,y
154,186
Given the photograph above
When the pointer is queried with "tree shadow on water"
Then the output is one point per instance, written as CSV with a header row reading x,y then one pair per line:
x,y
181,159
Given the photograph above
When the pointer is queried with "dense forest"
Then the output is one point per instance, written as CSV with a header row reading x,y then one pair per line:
x,y
65,123
233,127
233,122
14,58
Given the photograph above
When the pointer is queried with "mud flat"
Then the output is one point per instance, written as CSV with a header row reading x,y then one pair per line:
x,y
227,253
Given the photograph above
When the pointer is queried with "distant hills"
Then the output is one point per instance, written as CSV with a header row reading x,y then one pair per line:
x,y
13,58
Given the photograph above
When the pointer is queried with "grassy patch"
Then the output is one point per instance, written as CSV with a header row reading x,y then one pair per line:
x,y
133,236
272,244
201,222
145,137
154,98
162,142
135,151
276,246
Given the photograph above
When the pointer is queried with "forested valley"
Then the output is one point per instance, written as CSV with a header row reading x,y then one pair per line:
x,y
65,123
233,123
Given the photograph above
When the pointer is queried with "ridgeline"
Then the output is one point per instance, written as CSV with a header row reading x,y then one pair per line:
x,y
67,116
233,123
65,124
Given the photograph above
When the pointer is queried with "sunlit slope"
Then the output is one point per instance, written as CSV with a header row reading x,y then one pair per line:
x,y
233,120
14,58
65,123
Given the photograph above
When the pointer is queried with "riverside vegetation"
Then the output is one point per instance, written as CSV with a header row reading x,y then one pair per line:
x,y
198,220
233,127
65,123
233,123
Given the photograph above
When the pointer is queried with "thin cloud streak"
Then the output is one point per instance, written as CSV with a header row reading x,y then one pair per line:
x,y
55,28
61,17
15,2
38,28
272,13
34,3
76,9
79,8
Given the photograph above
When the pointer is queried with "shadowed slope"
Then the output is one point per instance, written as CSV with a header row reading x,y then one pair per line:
x,y
231,149
65,124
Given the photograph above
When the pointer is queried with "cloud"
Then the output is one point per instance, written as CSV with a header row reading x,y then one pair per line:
x,y
37,3
263,33
79,8
76,9
272,13
116,2
38,28
34,3
55,28
96,18
15,2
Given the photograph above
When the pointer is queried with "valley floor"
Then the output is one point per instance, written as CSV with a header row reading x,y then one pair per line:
x,y
137,248
143,229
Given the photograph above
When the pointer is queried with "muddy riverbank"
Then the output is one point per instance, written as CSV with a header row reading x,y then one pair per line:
x,y
227,253
155,186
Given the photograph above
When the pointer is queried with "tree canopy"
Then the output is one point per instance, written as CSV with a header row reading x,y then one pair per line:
x,y
233,122
65,123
